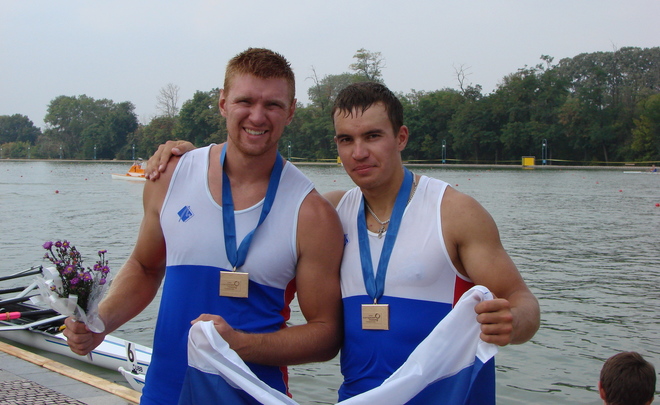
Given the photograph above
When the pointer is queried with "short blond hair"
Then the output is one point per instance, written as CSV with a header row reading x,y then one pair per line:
x,y
262,63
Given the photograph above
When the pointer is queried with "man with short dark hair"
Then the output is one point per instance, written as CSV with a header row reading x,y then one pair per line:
x,y
430,242
627,379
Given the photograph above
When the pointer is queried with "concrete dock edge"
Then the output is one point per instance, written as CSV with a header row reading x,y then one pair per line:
x,y
70,372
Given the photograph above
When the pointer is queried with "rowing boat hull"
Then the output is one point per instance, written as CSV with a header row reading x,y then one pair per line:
x,y
41,329
110,354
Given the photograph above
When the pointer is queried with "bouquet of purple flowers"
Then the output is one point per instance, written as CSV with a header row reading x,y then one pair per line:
x,y
69,287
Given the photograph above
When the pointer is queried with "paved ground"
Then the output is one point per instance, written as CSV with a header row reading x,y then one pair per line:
x,y
22,382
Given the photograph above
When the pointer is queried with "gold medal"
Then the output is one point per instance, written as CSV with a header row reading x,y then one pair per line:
x,y
234,284
376,316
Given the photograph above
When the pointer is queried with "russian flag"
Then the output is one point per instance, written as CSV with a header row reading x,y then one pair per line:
x,y
451,366
217,375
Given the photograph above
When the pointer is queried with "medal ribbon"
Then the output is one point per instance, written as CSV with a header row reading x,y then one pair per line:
x,y
376,285
237,257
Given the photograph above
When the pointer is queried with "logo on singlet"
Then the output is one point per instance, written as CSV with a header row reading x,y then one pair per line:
x,y
185,213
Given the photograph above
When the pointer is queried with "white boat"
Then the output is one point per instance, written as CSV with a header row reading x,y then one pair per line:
x,y
42,329
633,172
134,173
135,380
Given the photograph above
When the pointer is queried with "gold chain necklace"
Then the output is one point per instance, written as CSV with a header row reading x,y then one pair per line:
x,y
383,224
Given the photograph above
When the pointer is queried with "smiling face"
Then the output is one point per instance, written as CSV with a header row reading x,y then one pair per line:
x,y
257,111
369,148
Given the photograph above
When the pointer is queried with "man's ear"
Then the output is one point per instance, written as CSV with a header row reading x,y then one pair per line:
x,y
221,103
402,137
601,391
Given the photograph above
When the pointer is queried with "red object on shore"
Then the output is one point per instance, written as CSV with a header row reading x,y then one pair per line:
x,y
8,316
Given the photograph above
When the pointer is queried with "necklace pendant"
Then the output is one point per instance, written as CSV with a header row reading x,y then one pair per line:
x,y
380,232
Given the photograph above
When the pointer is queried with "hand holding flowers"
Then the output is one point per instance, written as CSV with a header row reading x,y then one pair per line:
x,y
69,288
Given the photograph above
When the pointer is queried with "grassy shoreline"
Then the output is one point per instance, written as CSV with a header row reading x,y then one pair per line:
x,y
625,166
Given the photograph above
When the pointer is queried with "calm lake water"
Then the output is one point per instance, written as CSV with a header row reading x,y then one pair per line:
x,y
586,242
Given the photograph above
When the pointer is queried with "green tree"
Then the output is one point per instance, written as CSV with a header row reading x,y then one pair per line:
x,y
107,137
646,133
79,123
608,86
148,137
368,65
428,117
310,135
68,117
475,132
16,150
527,105
324,91
200,121
17,128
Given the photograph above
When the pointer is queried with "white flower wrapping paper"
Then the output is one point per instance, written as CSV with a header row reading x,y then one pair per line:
x,y
69,305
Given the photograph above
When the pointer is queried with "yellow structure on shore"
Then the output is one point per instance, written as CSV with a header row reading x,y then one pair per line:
x,y
528,161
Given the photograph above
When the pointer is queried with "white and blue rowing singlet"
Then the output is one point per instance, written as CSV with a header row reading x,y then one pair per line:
x,y
421,287
192,225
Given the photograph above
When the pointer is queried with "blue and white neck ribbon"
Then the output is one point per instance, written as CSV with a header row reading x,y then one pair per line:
x,y
376,285
237,256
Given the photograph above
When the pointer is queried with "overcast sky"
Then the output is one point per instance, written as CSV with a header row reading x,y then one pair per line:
x,y
129,50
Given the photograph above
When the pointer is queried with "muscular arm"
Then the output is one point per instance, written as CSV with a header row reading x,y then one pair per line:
x,y
474,245
320,247
139,279
137,282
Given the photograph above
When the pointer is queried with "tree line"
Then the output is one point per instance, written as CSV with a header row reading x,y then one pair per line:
x,y
594,108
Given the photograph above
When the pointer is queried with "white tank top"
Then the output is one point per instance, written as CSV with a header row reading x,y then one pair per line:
x,y
421,287
192,226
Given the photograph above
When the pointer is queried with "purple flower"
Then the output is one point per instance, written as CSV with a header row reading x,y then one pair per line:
x,y
76,278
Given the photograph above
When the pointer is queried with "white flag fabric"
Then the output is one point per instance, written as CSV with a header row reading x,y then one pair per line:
x,y
451,366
